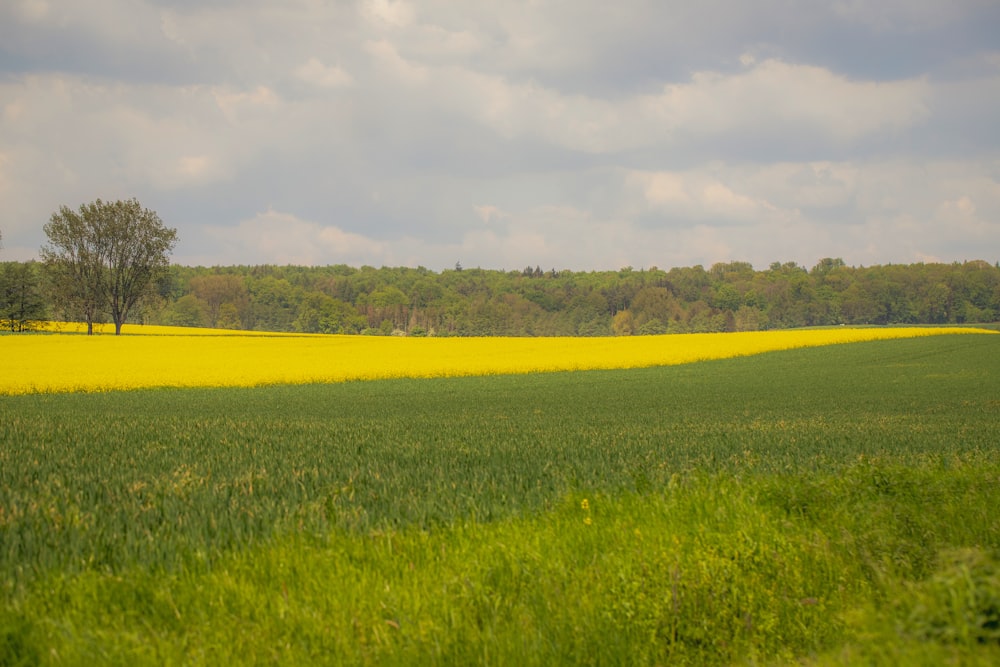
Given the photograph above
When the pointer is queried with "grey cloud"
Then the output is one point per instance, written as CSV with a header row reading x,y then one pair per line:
x,y
379,131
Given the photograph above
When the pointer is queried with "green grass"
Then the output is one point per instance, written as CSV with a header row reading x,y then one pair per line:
x,y
833,505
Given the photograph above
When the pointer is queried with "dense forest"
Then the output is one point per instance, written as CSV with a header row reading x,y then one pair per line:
x,y
532,302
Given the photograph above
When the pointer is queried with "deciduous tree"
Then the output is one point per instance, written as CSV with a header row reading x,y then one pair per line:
x,y
107,255
218,290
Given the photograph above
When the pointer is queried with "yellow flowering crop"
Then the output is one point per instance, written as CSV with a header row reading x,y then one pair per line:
x,y
179,358
152,330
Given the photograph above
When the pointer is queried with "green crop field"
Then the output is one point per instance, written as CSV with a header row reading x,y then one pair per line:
x,y
834,505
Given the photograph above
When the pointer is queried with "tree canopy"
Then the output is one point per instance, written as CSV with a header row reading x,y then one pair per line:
x,y
476,302
106,257
728,296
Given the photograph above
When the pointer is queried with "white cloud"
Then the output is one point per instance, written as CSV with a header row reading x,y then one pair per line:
x,y
698,196
776,97
314,72
386,55
486,212
274,237
397,13
802,185
961,207
33,10
436,42
867,213
195,166
567,237
772,99
238,105
552,236
960,216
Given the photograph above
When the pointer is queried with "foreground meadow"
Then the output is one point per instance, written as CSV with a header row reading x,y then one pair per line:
x,y
826,505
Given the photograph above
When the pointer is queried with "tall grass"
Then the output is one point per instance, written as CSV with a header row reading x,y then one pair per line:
x,y
709,570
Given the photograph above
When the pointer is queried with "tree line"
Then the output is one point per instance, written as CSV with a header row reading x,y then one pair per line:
x,y
480,302
531,302
109,261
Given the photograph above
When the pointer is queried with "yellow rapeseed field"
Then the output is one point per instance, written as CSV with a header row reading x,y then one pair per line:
x,y
175,357
152,330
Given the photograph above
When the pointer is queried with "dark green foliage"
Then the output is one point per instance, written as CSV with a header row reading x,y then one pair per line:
x,y
477,302
960,603
17,647
22,303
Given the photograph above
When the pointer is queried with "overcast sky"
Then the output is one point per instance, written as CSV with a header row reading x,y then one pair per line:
x,y
567,134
